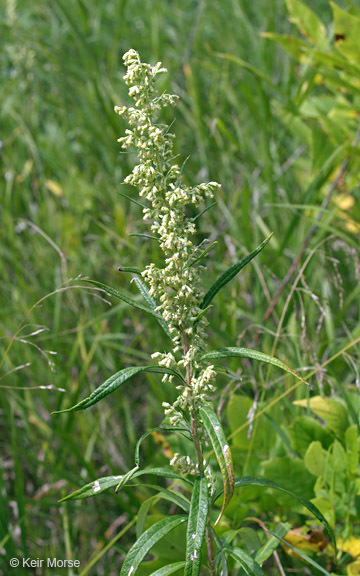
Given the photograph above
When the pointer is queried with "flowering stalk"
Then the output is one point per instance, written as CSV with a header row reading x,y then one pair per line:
x,y
176,286
174,295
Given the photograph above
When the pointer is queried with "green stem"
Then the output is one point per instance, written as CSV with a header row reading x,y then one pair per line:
x,y
192,410
198,451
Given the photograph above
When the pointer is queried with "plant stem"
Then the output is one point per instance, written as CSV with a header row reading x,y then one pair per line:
x,y
199,455
210,551
192,409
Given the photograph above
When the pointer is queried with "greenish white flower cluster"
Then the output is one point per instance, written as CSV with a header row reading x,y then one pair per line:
x,y
176,286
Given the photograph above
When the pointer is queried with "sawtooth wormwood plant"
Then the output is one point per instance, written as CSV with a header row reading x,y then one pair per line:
x,y
174,295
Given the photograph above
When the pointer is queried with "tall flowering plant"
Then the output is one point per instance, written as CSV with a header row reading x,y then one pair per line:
x,y
174,294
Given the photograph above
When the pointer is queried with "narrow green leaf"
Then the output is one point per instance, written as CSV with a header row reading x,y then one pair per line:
x,y
132,200
202,313
146,541
252,481
148,236
231,273
222,451
163,473
247,563
203,211
169,569
129,269
113,383
149,432
199,509
254,355
152,304
93,488
101,484
126,478
124,297
263,553
301,554
203,253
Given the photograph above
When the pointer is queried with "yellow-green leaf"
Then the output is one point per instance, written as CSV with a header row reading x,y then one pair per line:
x,y
332,412
352,448
347,33
306,21
314,458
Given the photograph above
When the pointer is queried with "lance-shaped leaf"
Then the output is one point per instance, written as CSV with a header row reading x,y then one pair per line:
x,y
125,298
126,478
107,482
252,354
129,269
147,236
113,383
203,253
231,273
93,488
151,302
203,211
198,514
222,452
147,540
201,314
169,569
132,200
247,563
252,481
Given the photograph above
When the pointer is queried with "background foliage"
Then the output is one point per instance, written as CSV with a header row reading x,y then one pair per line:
x,y
270,108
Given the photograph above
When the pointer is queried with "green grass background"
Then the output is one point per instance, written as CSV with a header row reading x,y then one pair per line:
x,y
62,216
